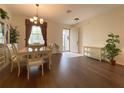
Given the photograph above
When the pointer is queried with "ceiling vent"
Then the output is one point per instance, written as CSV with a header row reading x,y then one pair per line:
x,y
68,11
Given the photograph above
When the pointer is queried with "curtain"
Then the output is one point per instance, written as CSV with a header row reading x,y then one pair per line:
x,y
44,32
29,27
28,31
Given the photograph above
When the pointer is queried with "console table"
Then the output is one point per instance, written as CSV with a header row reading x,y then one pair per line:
x,y
93,52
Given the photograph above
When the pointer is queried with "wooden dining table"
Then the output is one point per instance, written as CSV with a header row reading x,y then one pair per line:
x,y
23,52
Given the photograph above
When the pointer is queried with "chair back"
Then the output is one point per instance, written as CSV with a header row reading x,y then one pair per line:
x,y
11,51
15,47
51,45
34,52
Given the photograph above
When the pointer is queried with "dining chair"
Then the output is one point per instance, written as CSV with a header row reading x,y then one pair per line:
x,y
47,57
47,54
51,46
13,58
15,47
22,59
34,59
2,54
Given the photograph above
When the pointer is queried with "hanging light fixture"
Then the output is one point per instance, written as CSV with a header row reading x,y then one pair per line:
x,y
76,19
36,19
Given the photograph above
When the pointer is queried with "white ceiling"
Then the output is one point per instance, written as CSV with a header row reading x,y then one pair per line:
x,y
57,12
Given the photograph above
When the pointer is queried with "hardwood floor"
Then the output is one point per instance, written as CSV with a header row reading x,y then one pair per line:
x,y
67,71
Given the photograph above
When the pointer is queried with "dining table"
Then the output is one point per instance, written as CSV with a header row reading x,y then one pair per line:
x,y
45,50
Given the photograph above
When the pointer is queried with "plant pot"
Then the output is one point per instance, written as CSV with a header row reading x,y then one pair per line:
x,y
113,62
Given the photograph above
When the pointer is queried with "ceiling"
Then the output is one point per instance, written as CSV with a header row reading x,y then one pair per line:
x,y
57,12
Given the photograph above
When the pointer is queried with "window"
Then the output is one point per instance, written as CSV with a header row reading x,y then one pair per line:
x,y
1,34
36,35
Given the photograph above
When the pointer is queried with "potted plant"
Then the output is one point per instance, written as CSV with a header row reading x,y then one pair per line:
x,y
14,34
111,50
3,14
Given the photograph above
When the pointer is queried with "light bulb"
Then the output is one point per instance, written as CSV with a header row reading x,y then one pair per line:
x,y
35,22
35,17
41,20
31,19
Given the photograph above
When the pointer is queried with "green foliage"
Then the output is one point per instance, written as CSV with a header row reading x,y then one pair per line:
x,y
3,14
111,50
14,35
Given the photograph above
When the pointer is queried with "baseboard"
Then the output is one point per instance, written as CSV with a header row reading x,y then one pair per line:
x,y
122,65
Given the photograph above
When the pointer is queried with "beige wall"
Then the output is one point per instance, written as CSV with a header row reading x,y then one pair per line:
x,y
7,10
19,21
95,30
54,31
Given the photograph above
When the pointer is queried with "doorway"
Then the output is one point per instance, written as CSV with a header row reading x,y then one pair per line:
x,y
66,40
74,40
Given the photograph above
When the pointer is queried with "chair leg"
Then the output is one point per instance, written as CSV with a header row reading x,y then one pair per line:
x,y
50,63
49,66
42,70
28,72
18,69
11,67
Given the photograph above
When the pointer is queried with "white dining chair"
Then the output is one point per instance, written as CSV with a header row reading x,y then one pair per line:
x,y
21,58
2,54
47,54
34,59
13,58
15,47
51,46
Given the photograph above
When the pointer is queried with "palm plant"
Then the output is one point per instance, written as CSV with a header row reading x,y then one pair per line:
x,y
3,14
14,34
111,50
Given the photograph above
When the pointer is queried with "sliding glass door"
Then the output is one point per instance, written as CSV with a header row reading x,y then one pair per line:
x,y
66,39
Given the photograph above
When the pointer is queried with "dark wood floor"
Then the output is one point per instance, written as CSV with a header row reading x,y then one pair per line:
x,y
67,71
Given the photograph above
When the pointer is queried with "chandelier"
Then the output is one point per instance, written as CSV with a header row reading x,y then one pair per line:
x,y
36,19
